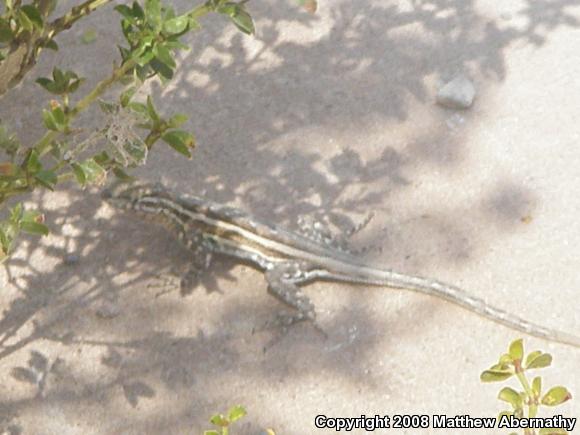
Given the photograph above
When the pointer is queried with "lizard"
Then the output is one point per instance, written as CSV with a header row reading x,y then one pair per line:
x,y
288,259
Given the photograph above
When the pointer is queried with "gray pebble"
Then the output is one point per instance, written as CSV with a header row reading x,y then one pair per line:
x,y
457,94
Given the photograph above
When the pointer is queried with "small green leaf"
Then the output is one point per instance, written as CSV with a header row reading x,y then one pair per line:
x,y
211,432
94,173
180,141
32,216
126,96
162,69
176,25
236,412
168,13
59,118
6,34
126,12
517,349
219,420
506,359
228,8
47,178
243,21
51,44
153,12
58,77
539,361
164,55
74,85
138,11
499,367
537,386
69,75
138,107
177,120
556,396
510,396
33,15
48,84
151,110
531,356
144,57
34,228
16,213
89,36
79,173
24,21
49,121
31,162
9,143
495,375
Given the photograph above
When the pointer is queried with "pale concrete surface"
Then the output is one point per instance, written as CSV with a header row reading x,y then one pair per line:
x,y
331,114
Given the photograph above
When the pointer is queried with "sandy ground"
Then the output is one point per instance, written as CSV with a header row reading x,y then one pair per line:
x,y
332,115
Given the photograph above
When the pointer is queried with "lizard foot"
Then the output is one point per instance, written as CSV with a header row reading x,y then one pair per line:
x,y
189,281
281,325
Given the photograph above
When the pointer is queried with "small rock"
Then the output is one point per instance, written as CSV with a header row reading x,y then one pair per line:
x,y
108,310
457,94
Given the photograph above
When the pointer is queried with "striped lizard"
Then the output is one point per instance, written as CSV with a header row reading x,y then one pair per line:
x,y
288,259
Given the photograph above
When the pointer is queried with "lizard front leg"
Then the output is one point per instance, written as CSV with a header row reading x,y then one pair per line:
x,y
201,258
283,280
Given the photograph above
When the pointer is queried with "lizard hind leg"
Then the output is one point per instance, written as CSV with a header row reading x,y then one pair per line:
x,y
283,283
319,231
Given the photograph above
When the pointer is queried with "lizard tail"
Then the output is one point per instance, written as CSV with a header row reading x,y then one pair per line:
x,y
458,296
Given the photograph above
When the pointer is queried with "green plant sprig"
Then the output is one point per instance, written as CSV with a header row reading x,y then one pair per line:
x,y
153,34
224,422
526,403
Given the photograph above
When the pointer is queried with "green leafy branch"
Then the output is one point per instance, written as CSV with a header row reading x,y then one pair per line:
x,y
153,33
526,403
224,422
